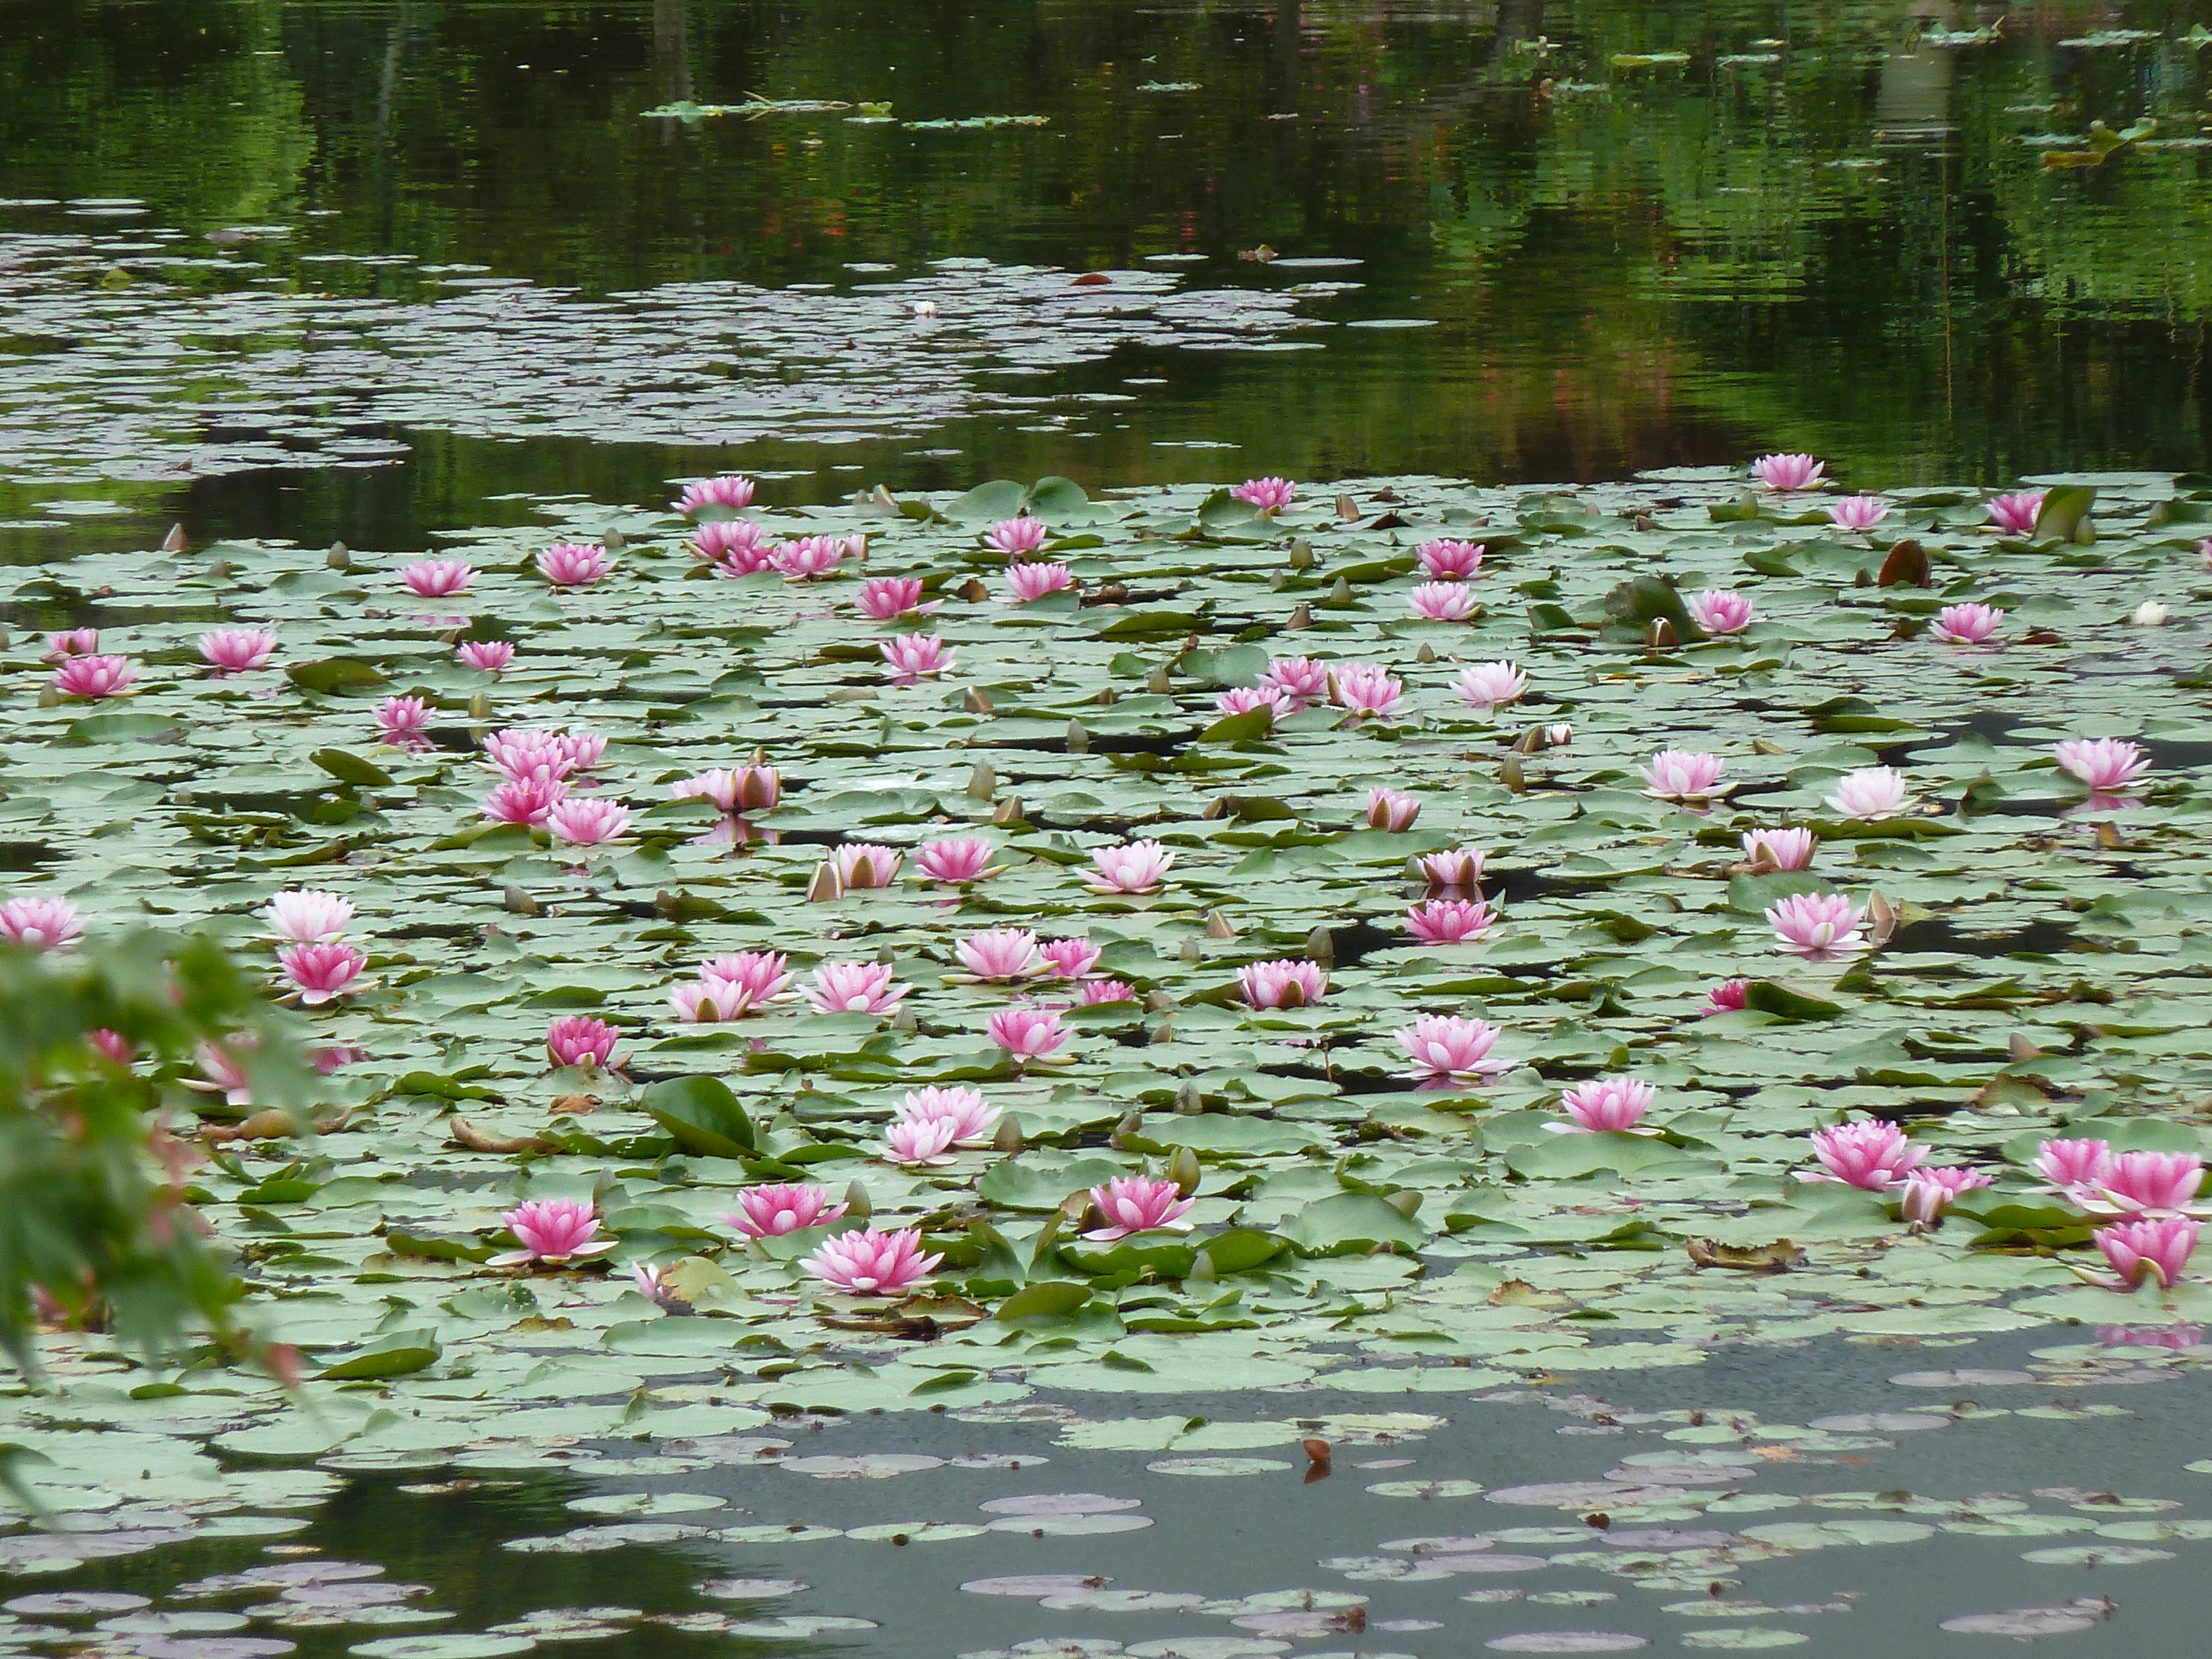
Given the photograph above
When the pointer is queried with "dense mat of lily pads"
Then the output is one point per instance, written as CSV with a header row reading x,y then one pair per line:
x,y
1276,1103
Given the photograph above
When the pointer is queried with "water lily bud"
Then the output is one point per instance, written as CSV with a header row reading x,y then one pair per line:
x,y
1008,810
1301,617
1559,736
218,570
1219,926
518,901
1662,636
858,1206
983,781
1189,1102
2150,614
827,887
174,541
1008,1140
1405,1201
1182,1168
1201,1268
1190,951
1341,593
1078,740
1320,947
480,706
1510,774
1427,653
339,557
1132,1123
1302,555
614,540
977,700
1157,683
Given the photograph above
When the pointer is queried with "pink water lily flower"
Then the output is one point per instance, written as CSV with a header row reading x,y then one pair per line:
x,y
1391,810
1268,495
1450,921
1243,699
1967,624
2152,1184
887,598
1819,927
321,970
1016,536
1442,601
1858,513
237,650
1930,1190
1730,996
1003,953
1460,867
40,924
1070,958
221,1072
113,1045
1302,679
918,1141
731,490
574,564
1026,1032
1871,792
533,752
94,677
553,1230
308,916
871,1263
1139,1204
1365,690
1722,611
2106,764
437,579
706,1001
912,655
1681,775
1446,1048
760,975
579,1040
1138,867
1779,849
754,788
972,1118
855,987
1871,1154
1095,990
2015,515
1607,1103
404,722
1292,982
1449,560
862,864
1484,686
968,858
523,801
1028,582
72,642
1788,472
2141,1251
2074,1167
733,547
810,558
587,820
486,656
772,1211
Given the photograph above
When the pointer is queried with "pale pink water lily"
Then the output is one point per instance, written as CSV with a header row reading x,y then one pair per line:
x,y
574,564
1729,997
530,752
1003,953
1484,686
306,915
1442,601
732,490
587,820
1871,792
1302,679
1779,849
40,924
755,788
962,859
1028,582
1722,611
321,970
733,547
1391,810
760,975
2151,1184
113,1045
912,655
553,1230
1364,690
404,722
1449,560
1858,513
887,598
221,1072
1788,472
1139,1204
705,1001
523,801
1448,1047
1819,927
2140,1251
2104,764
485,656
1070,958
1268,495
855,987
1095,990
72,642
654,1284
237,650
972,1117
1681,775
1459,867
1292,982
1967,624
1243,699
1016,536
579,1040
781,1207
437,579
2074,1167
1026,1032
917,1141
1930,1190
1871,1154
2150,614
866,1262
1138,866
862,864
810,558
1607,1103
2015,515
1450,921
94,677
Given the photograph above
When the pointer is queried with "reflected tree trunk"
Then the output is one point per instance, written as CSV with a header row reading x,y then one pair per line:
x,y
672,59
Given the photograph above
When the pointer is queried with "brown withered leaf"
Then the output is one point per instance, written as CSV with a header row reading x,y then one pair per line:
x,y
1779,1257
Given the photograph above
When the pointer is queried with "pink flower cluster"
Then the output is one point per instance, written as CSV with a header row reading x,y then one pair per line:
x,y
318,963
